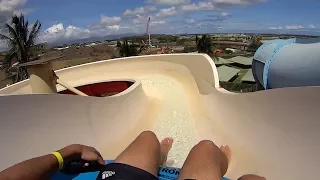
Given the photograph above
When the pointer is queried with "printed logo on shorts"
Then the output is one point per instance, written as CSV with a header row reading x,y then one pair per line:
x,y
107,174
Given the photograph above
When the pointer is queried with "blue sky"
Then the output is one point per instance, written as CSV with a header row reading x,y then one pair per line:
x,y
76,19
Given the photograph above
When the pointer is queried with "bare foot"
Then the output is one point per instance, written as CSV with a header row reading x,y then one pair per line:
x,y
226,151
165,146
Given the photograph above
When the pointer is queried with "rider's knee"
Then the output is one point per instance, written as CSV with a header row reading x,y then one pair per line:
x,y
205,145
149,135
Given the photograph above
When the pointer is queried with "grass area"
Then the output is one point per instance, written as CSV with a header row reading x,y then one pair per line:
x,y
239,87
240,75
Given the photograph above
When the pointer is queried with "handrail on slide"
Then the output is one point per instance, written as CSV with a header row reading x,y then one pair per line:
x,y
69,87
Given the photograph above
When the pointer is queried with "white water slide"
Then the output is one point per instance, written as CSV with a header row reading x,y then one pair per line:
x,y
272,133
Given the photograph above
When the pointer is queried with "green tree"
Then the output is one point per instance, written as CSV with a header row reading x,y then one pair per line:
x,y
255,44
118,44
127,49
204,45
21,46
180,42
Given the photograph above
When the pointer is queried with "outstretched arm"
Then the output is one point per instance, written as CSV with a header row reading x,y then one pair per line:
x,y
45,166
37,168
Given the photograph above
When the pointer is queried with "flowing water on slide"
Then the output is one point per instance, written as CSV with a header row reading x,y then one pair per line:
x,y
175,118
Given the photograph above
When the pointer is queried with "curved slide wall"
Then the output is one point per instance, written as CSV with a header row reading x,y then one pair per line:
x,y
272,133
287,63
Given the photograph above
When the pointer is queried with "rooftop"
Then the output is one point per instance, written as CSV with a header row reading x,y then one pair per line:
x,y
242,60
41,61
226,73
248,76
221,61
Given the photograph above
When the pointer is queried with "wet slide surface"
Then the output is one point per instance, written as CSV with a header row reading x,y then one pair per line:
x,y
175,117
268,131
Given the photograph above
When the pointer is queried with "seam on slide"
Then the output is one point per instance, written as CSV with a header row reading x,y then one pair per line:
x,y
264,45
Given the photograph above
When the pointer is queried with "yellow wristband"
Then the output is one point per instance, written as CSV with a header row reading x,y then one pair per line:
x,y
60,159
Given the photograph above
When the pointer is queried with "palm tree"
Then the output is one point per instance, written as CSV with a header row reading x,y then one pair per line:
x,y
21,46
127,50
204,45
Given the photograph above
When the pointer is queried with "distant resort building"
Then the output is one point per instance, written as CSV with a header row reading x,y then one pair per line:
x,y
241,62
227,74
237,69
230,44
238,61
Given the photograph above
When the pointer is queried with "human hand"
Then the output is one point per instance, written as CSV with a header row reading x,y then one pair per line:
x,y
77,152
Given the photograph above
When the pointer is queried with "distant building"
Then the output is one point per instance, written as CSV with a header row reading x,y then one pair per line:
x,y
230,44
176,48
242,62
230,49
62,48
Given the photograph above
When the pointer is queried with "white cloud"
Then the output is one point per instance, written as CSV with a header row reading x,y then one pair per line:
x,y
312,26
158,22
140,19
57,32
224,14
53,33
276,28
169,2
167,12
140,10
291,27
11,5
76,32
23,11
8,7
110,20
227,3
55,28
198,7
114,27
190,21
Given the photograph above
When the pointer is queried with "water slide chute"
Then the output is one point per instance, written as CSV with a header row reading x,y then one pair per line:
x,y
287,63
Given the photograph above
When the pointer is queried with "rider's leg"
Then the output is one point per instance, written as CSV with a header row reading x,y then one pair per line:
x,y
206,161
146,153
